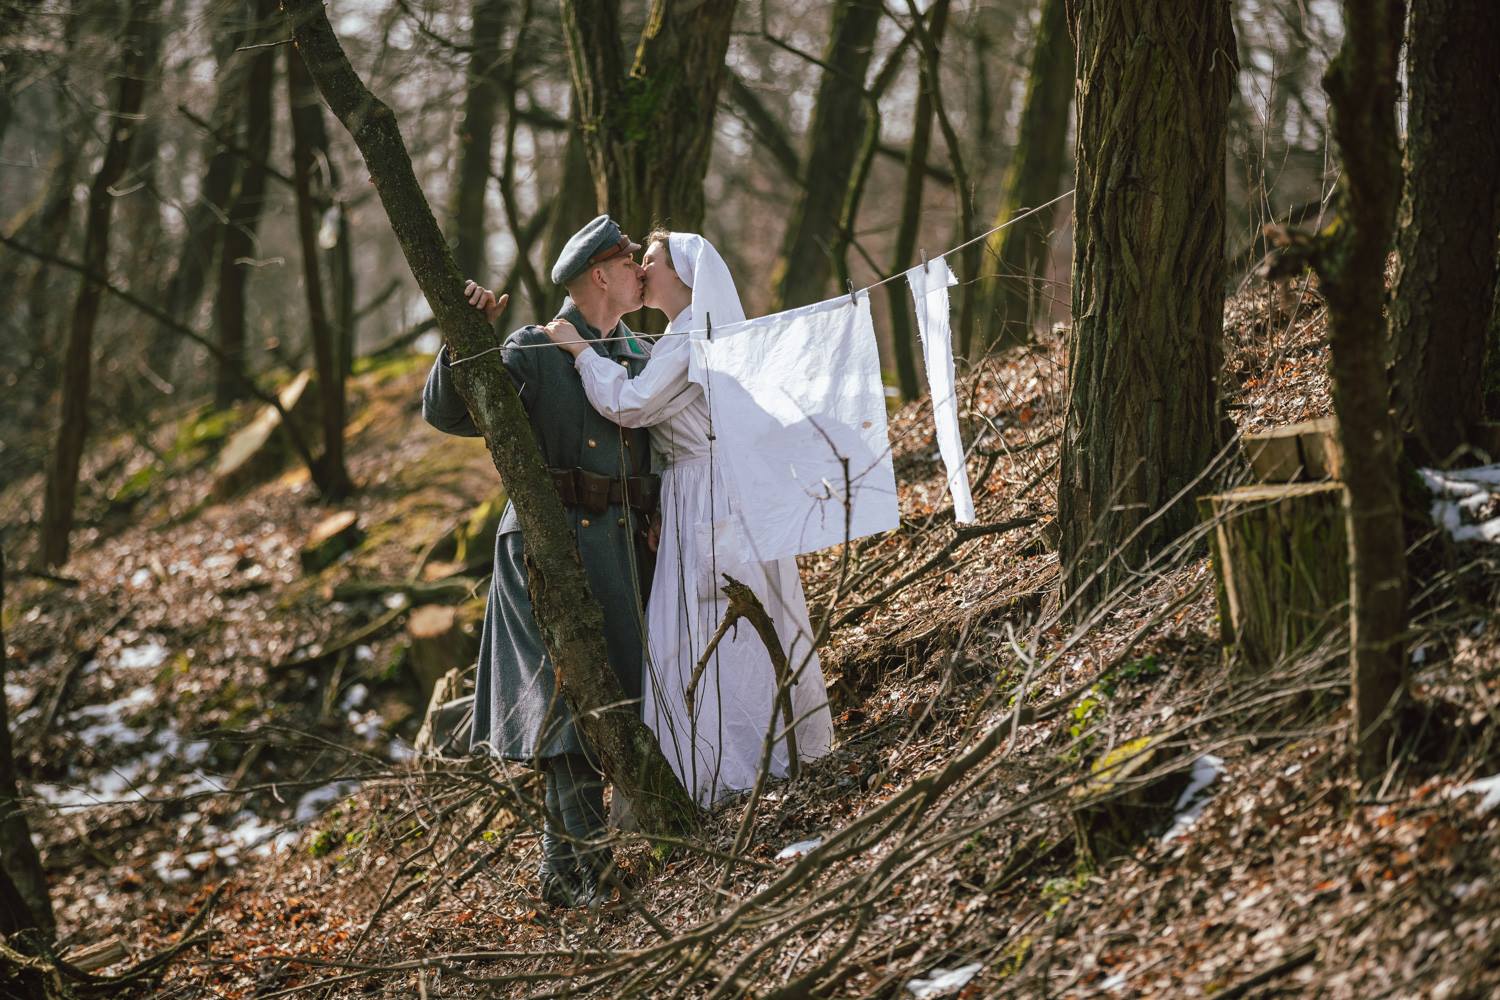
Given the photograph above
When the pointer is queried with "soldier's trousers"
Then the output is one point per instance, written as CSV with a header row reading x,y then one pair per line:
x,y
573,831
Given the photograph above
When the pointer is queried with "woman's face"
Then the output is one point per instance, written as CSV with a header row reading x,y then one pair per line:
x,y
663,288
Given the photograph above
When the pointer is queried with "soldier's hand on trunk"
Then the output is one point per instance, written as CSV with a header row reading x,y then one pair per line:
x,y
484,300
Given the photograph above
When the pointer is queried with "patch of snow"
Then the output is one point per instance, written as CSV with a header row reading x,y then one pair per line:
x,y
798,849
354,697
399,750
1487,787
1192,801
1460,497
1114,982
17,694
396,600
315,801
943,982
163,867
140,577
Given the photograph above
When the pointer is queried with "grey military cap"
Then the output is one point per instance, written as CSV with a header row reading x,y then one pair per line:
x,y
595,243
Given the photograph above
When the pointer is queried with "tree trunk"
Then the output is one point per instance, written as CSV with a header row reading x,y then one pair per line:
x,y
72,424
1363,89
570,620
244,215
644,172
203,228
911,220
1016,256
1445,273
576,201
476,137
801,274
1142,419
521,234
21,865
306,114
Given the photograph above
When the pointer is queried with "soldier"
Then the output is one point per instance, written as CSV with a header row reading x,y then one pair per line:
x,y
602,474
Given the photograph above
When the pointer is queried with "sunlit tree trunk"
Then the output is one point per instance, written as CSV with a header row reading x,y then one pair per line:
x,y
1142,420
1016,257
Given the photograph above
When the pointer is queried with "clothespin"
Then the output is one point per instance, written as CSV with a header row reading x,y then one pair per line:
x,y
849,284
924,260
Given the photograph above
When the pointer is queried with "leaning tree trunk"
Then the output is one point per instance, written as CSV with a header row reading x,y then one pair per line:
x,y
1350,260
72,424
645,172
330,474
21,865
1016,256
801,274
476,138
1449,216
571,621
244,217
911,219
1142,421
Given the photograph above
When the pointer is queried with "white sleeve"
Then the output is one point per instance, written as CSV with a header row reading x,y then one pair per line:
x,y
660,391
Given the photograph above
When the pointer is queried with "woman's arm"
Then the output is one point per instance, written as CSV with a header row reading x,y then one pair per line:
x,y
660,391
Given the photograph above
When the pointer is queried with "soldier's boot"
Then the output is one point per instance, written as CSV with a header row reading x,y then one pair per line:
x,y
580,808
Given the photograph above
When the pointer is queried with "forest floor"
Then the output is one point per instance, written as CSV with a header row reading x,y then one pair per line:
x,y
196,731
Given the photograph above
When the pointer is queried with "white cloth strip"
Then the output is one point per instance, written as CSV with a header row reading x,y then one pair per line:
x,y
929,291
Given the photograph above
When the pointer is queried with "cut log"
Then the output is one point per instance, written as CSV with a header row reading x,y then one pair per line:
x,y
334,535
1125,800
258,451
470,544
98,956
1302,452
1281,559
449,721
438,644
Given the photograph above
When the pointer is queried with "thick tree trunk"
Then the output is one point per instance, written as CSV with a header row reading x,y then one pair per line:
x,y
1363,89
21,865
571,621
576,202
1142,420
72,424
476,135
306,114
244,217
1449,217
645,172
902,339
1016,257
833,140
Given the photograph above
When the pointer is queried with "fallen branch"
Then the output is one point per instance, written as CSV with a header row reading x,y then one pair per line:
x,y
353,638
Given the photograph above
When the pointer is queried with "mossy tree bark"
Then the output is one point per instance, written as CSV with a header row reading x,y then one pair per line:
x,y
482,100
1446,228
244,217
306,114
912,185
1016,256
1142,419
833,142
19,863
648,129
571,621
72,420
1350,259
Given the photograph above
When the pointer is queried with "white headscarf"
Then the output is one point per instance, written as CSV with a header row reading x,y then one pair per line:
x,y
700,267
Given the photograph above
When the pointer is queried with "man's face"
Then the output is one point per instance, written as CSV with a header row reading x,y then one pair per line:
x,y
624,283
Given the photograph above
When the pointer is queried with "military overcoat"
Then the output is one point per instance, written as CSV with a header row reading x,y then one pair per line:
x,y
518,713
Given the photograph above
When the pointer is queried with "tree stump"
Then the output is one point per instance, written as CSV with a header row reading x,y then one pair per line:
x,y
1281,562
449,721
1302,452
334,535
438,644
258,451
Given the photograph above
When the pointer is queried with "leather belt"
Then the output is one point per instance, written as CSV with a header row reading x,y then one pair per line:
x,y
595,493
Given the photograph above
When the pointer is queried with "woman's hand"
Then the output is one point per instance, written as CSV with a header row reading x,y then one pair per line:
x,y
565,335
484,300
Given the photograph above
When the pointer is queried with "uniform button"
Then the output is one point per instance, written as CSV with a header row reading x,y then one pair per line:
x,y
621,522
584,522
593,443
625,362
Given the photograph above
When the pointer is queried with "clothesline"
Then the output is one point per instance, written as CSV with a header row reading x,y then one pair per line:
x,y
853,294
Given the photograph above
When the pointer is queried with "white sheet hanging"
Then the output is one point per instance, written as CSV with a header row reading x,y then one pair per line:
x,y
794,396
929,291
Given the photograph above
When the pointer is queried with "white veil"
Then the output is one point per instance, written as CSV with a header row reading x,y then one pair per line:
x,y
698,264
